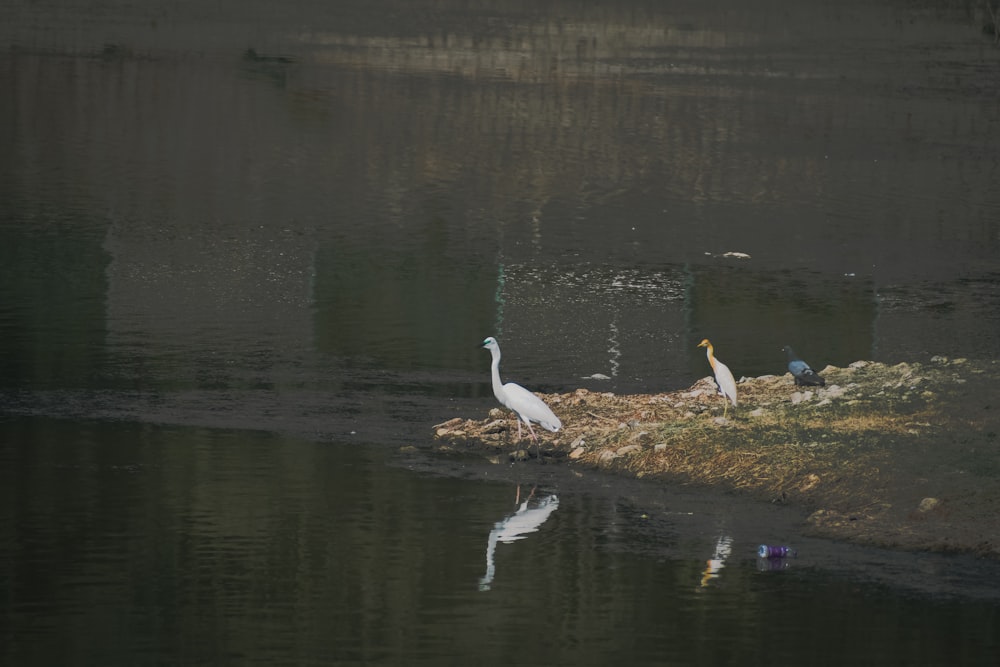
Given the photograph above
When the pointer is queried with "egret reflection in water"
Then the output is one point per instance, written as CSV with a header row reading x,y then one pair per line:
x,y
527,519
723,549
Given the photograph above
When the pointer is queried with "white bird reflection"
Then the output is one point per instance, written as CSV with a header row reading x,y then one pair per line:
x,y
527,519
723,548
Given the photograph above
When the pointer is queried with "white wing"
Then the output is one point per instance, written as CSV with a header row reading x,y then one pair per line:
x,y
530,407
727,384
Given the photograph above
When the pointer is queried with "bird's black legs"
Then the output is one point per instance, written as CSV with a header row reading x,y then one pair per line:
x,y
538,448
531,434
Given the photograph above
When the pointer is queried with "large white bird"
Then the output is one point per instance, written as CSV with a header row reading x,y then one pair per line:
x,y
528,407
723,376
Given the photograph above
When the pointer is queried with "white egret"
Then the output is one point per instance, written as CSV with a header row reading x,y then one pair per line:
x,y
526,405
723,376
800,370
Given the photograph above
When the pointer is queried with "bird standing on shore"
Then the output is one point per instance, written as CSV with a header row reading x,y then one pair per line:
x,y
526,405
800,370
723,376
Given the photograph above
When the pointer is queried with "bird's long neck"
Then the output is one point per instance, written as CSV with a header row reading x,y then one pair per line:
x,y
495,371
710,352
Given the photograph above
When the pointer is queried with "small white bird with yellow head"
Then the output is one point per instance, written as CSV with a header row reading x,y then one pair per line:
x,y
723,376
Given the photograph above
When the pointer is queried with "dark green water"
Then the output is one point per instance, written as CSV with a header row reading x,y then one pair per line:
x,y
247,251
129,543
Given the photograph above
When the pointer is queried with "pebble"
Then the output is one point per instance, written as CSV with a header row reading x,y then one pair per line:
x,y
833,391
607,456
801,397
928,504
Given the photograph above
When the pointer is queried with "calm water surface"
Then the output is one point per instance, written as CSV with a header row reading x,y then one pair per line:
x,y
247,251
130,543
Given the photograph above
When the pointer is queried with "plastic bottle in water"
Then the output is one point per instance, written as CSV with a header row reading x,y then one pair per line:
x,y
773,551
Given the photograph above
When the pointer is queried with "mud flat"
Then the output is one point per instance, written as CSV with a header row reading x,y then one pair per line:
x,y
903,456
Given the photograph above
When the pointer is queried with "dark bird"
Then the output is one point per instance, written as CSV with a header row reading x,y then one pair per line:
x,y
800,370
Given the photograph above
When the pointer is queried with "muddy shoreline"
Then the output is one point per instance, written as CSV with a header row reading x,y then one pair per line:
x,y
902,456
